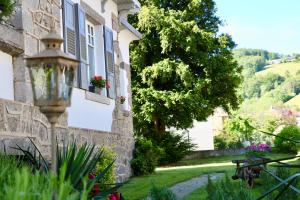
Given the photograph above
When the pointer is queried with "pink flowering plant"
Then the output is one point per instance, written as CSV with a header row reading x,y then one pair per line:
x,y
258,150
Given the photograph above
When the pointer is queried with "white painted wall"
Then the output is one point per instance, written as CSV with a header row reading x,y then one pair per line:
x,y
6,77
125,38
123,87
88,114
109,7
202,135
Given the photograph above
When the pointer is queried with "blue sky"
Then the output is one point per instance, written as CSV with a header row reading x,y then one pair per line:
x,y
273,25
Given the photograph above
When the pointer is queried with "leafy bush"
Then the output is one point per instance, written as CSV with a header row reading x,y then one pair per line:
x,y
267,182
145,156
227,141
163,193
258,150
107,158
227,189
78,162
286,146
18,182
239,127
6,8
175,147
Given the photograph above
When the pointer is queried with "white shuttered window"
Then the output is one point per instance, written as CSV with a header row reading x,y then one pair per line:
x,y
109,62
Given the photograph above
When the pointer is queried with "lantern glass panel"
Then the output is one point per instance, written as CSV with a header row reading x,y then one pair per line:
x,y
44,81
65,82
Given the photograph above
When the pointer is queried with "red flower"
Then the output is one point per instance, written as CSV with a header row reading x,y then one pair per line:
x,y
114,196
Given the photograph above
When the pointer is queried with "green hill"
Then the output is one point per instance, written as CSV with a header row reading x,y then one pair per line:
x,y
294,102
281,69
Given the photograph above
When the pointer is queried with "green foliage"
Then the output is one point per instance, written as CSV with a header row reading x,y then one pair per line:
x,y
78,163
239,126
258,86
107,158
6,8
253,60
163,193
145,156
175,147
18,182
227,190
285,146
227,141
98,81
182,69
267,182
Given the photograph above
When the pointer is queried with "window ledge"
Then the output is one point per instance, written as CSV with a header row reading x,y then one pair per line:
x,y
97,98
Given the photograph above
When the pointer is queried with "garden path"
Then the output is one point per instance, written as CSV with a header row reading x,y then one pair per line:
x,y
184,188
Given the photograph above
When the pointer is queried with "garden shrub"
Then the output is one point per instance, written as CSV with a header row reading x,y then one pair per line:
x,y
286,146
175,147
267,182
18,182
227,189
6,8
145,156
163,193
258,150
227,141
107,158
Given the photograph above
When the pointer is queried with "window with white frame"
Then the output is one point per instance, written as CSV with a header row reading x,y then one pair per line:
x,y
91,44
91,50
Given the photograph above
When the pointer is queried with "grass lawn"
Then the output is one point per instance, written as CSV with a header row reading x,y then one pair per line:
x,y
281,69
295,102
138,187
201,193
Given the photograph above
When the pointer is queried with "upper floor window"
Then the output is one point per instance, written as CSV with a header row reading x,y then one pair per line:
x,y
91,50
91,44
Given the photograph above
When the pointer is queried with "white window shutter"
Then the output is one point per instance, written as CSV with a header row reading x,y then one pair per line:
x,y
82,47
109,62
69,27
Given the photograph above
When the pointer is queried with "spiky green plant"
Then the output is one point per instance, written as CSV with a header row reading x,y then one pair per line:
x,y
18,182
78,161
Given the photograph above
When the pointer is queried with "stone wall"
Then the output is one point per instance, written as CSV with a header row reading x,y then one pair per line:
x,y
18,121
20,37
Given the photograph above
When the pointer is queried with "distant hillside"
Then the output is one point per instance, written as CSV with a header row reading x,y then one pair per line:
x,y
266,85
254,60
282,69
294,102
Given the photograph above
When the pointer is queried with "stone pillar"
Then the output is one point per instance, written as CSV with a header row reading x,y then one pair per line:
x,y
22,84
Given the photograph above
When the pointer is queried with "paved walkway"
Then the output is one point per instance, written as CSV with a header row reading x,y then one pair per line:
x,y
184,188
196,166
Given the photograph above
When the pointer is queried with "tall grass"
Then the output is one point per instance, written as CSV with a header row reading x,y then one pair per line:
x,y
18,182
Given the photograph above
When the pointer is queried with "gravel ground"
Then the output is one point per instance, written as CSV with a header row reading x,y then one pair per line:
x,y
184,188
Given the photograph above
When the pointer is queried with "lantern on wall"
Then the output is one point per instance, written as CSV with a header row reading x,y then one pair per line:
x,y
52,74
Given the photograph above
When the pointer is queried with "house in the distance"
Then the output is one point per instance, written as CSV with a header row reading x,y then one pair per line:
x,y
202,133
97,33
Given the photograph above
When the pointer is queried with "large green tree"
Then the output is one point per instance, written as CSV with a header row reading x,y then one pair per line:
x,y
182,68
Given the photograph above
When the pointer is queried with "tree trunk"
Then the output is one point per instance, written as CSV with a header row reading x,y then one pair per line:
x,y
159,126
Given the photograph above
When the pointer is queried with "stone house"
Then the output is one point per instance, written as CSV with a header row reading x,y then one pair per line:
x,y
97,33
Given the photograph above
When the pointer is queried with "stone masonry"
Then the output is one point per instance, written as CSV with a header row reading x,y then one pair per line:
x,y
19,119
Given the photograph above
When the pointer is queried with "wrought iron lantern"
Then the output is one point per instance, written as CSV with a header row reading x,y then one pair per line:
x,y
52,73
